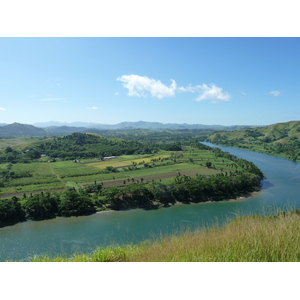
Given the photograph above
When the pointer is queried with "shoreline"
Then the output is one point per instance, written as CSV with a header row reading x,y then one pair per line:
x,y
238,199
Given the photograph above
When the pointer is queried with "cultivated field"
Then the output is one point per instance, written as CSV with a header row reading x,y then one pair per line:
x,y
119,171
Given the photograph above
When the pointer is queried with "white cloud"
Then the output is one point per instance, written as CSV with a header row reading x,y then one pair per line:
x,y
244,93
93,107
213,93
1,108
141,85
275,93
52,99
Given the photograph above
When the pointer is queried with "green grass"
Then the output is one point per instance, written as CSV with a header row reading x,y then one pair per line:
x,y
66,169
246,239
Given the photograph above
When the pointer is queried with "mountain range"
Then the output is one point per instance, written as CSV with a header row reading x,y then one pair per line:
x,y
58,128
135,125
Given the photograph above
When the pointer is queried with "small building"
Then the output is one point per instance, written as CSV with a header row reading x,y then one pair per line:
x,y
109,157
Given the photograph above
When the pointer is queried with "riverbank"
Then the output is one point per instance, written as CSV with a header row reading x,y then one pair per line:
x,y
247,239
237,199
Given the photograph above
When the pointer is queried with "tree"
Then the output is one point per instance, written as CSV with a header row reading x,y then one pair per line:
x,y
163,193
208,164
11,211
8,149
41,206
73,203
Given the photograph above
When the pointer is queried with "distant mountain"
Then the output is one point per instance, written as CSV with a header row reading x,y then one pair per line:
x,y
53,130
139,125
60,124
17,129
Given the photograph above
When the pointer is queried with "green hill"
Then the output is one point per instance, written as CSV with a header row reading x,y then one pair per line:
x,y
281,139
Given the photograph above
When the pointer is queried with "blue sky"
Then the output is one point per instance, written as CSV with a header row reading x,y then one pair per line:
x,y
226,81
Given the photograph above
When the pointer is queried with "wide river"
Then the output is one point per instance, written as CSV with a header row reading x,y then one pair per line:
x,y
281,191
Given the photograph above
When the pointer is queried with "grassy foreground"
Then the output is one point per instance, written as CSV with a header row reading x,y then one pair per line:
x,y
247,239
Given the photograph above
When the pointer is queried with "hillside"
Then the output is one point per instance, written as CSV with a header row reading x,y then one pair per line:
x,y
248,239
280,139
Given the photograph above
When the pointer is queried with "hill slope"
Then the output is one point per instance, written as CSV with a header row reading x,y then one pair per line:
x,y
281,139
247,239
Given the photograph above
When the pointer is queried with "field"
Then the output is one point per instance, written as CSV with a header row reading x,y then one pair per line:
x,y
16,142
119,171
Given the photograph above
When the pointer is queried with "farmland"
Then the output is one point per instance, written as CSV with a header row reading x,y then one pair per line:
x,y
44,175
83,173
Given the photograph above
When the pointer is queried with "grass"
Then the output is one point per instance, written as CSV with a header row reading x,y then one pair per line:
x,y
246,239
16,142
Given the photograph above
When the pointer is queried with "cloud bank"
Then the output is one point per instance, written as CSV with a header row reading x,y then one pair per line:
x,y
1,108
142,86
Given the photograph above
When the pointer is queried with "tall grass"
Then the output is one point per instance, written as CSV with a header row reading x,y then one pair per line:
x,y
246,239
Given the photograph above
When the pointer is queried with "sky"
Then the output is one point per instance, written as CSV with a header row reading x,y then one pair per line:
x,y
108,80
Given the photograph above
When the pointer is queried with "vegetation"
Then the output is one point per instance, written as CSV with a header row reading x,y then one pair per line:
x,y
282,139
246,239
191,173
75,146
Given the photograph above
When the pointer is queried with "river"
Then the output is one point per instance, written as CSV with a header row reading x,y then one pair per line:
x,y
280,191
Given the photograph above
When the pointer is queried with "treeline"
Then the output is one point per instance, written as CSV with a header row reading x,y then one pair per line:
x,y
151,195
46,206
184,189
